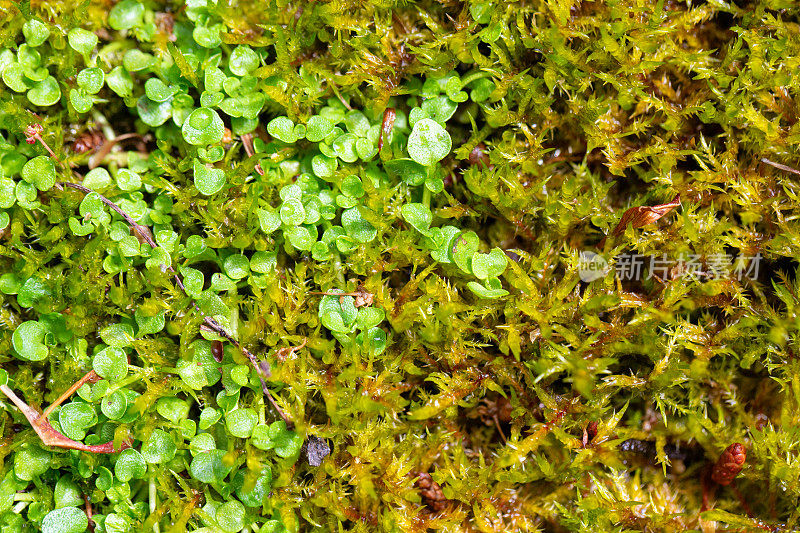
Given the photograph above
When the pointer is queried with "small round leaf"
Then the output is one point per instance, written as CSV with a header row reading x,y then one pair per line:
x,y
130,464
65,520
243,60
45,93
428,142
208,180
40,171
126,15
28,341
111,364
159,448
203,126
240,422
36,32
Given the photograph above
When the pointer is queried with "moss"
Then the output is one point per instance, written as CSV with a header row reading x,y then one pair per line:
x,y
485,302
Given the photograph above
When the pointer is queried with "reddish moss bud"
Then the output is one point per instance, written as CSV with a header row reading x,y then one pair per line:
x,y
729,465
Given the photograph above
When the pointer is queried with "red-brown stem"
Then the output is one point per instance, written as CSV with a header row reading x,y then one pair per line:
x,y
387,125
90,376
247,142
48,434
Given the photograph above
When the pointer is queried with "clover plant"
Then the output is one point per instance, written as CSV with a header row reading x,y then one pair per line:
x,y
322,266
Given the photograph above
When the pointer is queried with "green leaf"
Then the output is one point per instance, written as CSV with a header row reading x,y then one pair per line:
x,y
409,171
292,212
369,317
203,127
157,91
442,243
251,493
81,101
45,92
35,32
130,465
110,363
119,81
209,467
208,37
65,520
82,41
374,339
318,128
418,215
172,408
240,422
464,249
440,109
28,341
195,245
117,335
282,128
31,462
114,405
13,76
323,166
75,418
126,15
153,113
286,443
149,325
91,80
208,417
338,313
428,142
243,60
264,262
128,180
159,448
237,266
41,172
489,265
268,220
208,180
357,227
136,60
67,493
300,237
492,288
231,516
6,192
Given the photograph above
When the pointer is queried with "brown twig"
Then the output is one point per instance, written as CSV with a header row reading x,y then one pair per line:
x,y
91,376
247,142
48,434
780,166
107,146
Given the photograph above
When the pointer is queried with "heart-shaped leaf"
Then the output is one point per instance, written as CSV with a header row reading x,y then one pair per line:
x,y
489,265
28,341
428,142
208,180
202,127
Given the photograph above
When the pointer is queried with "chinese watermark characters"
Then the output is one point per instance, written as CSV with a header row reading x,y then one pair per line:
x,y
631,266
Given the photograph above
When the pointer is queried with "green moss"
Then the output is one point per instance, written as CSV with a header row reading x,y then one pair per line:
x,y
385,215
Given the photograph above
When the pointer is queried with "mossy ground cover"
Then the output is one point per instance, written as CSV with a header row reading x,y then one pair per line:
x,y
352,266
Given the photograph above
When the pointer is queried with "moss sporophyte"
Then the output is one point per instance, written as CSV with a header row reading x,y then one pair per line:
x,y
337,266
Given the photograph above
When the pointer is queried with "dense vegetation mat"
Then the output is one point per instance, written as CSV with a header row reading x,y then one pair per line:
x,y
358,266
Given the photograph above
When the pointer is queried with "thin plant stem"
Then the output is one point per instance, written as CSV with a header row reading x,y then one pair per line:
x,y
89,376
